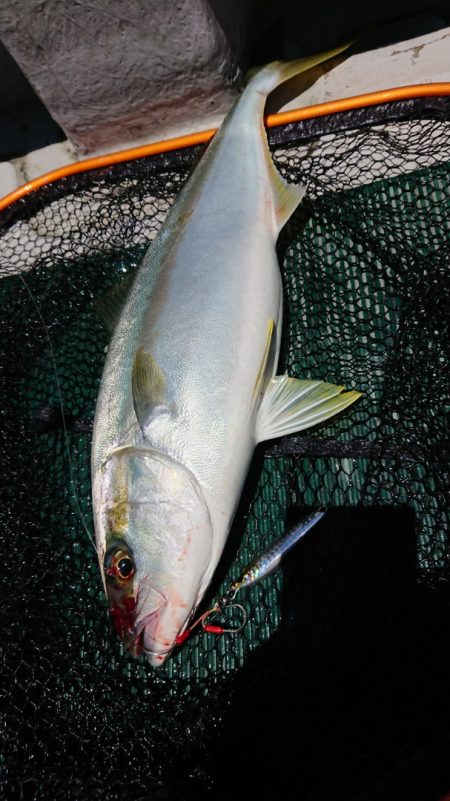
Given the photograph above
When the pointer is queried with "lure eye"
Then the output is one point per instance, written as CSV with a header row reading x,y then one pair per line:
x,y
121,566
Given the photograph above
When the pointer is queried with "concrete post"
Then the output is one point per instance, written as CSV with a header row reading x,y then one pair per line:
x,y
112,72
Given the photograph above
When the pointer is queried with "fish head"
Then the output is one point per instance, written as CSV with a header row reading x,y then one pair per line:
x,y
157,547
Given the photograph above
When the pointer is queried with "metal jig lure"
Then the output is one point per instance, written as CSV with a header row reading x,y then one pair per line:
x,y
265,564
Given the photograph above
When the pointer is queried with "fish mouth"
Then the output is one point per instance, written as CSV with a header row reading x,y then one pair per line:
x,y
156,658
153,640
149,641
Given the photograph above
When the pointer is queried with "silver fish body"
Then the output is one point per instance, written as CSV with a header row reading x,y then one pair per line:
x,y
189,384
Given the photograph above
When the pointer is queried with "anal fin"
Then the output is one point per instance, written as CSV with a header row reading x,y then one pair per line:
x,y
291,405
267,366
286,196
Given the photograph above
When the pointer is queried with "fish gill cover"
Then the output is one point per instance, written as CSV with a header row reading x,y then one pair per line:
x,y
349,642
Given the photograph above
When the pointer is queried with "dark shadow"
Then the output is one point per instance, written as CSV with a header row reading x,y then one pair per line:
x,y
26,123
356,680
286,29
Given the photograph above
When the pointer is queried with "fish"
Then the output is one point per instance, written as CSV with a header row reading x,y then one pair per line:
x,y
189,385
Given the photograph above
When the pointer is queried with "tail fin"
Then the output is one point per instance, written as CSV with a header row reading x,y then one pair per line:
x,y
286,196
246,118
270,76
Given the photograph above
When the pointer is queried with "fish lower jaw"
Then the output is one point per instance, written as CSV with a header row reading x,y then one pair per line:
x,y
154,643
144,639
156,652
156,658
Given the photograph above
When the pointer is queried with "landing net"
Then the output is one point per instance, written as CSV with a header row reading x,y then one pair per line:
x,y
348,643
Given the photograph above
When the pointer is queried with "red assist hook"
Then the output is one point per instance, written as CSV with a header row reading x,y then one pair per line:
x,y
212,628
265,564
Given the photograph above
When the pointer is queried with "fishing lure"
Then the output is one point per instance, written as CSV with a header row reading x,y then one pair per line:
x,y
261,567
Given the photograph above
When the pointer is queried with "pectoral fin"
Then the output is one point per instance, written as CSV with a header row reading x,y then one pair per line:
x,y
290,405
149,388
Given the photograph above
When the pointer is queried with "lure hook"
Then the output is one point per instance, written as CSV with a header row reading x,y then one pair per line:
x,y
227,599
213,629
224,602
265,564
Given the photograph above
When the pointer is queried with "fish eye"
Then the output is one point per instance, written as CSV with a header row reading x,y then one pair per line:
x,y
120,565
125,567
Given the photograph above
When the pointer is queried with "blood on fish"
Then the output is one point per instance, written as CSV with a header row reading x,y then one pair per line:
x,y
130,604
123,616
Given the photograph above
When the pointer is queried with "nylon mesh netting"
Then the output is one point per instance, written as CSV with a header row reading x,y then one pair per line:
x,y
339,684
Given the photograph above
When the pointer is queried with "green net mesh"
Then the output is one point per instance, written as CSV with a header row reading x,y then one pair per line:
x,y
340,680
